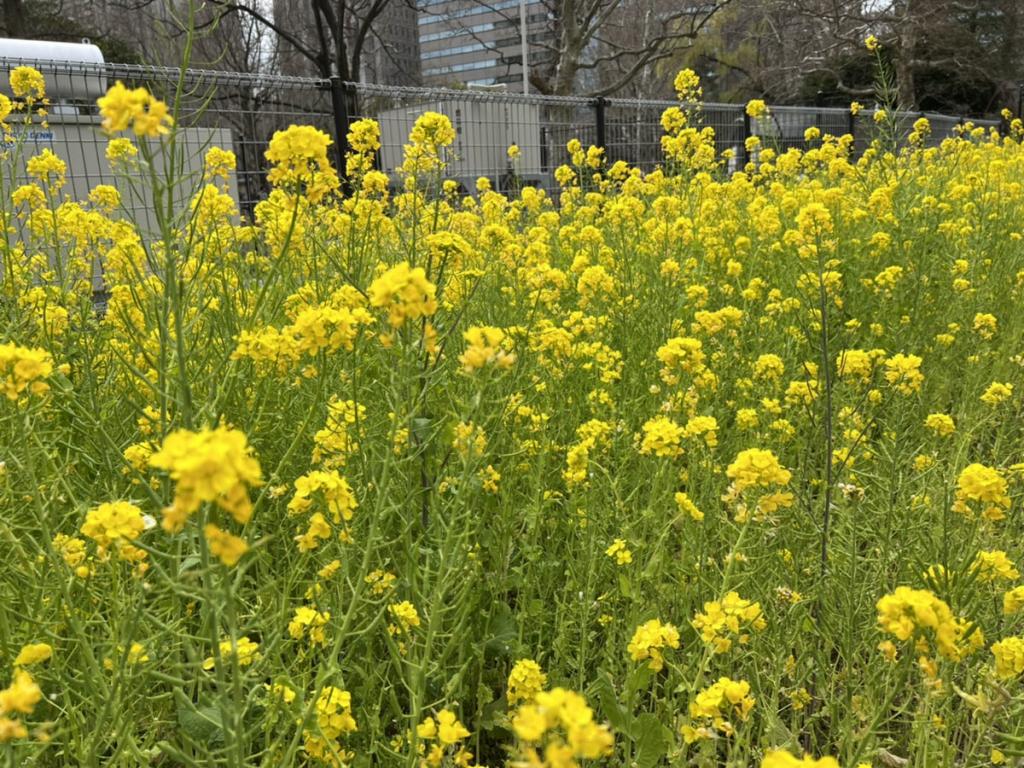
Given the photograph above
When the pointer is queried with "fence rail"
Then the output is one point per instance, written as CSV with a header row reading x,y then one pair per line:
x,y
241,112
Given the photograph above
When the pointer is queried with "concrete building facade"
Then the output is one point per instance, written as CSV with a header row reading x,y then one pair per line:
x,y
393,51
465,42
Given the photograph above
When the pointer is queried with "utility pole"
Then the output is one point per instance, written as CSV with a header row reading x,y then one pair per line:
x,y
524,45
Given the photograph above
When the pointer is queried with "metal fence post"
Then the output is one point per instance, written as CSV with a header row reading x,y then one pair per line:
x,y
339,106
746,135
601,137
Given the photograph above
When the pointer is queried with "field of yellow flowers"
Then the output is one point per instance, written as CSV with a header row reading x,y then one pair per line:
x,y
668,469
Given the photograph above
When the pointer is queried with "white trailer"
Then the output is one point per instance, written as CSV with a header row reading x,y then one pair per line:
x,y
75,78
483,132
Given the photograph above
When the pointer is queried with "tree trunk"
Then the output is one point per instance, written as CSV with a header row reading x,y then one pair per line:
x,y
14,17
905,82
567,66
905,55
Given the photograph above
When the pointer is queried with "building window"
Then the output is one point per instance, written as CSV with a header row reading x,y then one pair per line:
x,y
471,11
455,68
454,51
450,33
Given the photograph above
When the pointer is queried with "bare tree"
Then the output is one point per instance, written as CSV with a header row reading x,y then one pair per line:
x,y
340,30
768,49
329,36
633,40
151,31
944,54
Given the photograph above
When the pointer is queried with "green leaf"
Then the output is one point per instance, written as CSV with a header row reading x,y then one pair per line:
x,y
624,586
651,740
493,715
421,428
614,711
502,631
639,678
201,724
776,731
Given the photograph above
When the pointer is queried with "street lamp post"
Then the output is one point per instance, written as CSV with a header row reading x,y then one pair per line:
x,y
524,45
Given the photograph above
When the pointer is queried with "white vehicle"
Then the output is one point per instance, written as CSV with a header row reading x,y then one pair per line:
x,y
75,77
484,130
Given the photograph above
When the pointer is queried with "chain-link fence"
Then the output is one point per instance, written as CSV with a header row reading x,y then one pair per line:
x,y
241,112
234,111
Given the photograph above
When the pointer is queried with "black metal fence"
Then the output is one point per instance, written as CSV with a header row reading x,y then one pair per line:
x,y
242,111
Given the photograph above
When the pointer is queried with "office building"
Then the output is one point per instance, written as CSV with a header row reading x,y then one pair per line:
x,y
474,43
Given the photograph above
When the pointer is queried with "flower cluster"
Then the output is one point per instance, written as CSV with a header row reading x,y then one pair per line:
x,y
557,729
338,439
405,616
33,653
405,293
714,708
114,525
757,109
299,157
941,424
218,164
662,437
18,698
903,372
525,681
308,623
363,141
242,652
997,393
23,368
779,759
994,566
48,169
620,552
649,642
682,354
224,545
424,154
484,348
1009,657
727,620
315,329
590,436
757,479
332,720
443,735
981,490
918,614
136,108
322,491
28,83
212,465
